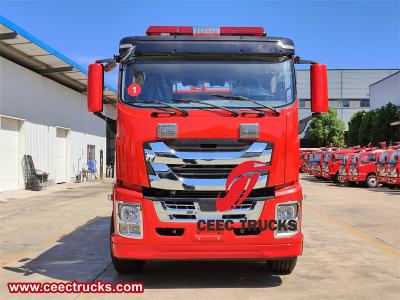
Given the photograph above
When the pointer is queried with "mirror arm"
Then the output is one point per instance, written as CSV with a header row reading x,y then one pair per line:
x,y
303,122
299,61
110,122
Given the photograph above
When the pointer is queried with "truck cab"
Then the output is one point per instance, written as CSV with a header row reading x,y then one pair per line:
x,y
207,146
393,170
316,164
383,159
344,167
363,168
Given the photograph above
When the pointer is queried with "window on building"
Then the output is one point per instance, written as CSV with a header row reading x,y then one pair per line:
x,y
91,152
334,103
364,103
345,103
302,103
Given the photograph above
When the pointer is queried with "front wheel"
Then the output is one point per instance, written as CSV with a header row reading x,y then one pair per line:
x,y
124,266
281,266
371,181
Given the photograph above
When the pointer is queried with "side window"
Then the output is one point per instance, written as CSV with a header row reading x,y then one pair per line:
x,y
364,159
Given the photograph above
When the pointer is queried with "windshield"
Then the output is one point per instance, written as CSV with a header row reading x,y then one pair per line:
x,y
394,159
317,157
345,159
354,160
327,157
383,158
168,80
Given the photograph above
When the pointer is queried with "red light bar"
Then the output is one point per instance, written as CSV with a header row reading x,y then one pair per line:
x,y
205,31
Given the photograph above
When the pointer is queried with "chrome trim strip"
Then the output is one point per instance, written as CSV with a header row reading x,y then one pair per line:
x,y
162,154
172,182
167,215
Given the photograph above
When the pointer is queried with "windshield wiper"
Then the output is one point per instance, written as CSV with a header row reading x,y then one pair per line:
x,y
243,98
233,112
155,114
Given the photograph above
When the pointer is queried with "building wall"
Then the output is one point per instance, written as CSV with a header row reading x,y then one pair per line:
x,y
385,90
348,90
42,105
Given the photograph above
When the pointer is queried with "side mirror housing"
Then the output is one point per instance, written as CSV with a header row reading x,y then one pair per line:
x,y
319,88
95,88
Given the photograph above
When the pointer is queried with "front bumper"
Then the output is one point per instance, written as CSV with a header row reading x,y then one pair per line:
x,y
393,180
246,251
357,178
194,245
381,179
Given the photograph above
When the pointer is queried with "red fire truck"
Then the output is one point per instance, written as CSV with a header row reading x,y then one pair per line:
x,y
383,159
194,105
345,167
363,168
315,168
393,170
331,163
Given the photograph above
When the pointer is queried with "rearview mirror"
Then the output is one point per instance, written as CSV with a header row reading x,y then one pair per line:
x,y
319,88
95,88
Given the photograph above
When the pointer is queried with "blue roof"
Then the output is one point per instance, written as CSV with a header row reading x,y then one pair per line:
x,y
47,48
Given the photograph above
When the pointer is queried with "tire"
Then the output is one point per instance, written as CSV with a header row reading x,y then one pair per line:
x,y
124,266
371,181
281,266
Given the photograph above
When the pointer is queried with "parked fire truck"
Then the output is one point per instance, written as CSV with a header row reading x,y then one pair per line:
x,y
331,163
195,104
363,168
315,168
383,159
393,169
345,167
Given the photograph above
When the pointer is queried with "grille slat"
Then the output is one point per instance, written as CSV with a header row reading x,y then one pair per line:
x,y
206,171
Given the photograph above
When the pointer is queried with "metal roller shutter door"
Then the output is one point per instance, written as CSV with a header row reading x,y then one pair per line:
x,y
9,136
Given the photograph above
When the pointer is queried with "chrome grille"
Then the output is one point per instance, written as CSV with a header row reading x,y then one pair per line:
x,y
201,165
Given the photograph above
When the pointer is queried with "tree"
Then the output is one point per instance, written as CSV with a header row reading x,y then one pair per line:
x,y
354,127
381,128
375,126
327,129
365,130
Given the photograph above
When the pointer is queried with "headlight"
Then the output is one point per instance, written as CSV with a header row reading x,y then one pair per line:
x,y
129,219
288,211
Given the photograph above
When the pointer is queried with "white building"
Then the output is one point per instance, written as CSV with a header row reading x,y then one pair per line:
x,y
385,90
43,112
348,90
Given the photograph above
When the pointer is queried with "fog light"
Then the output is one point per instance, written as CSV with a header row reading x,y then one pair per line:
x,y
129,219
289,212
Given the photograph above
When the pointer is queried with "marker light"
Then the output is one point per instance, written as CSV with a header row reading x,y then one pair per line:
x,y
167,130
205,31
248,131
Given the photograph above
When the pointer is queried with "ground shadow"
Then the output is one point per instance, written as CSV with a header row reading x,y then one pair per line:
x,y
79,255
200,274
83,255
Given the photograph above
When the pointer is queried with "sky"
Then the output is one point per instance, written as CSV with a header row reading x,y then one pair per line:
x,y
341,34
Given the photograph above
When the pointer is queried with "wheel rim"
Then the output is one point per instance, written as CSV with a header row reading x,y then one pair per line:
x,y
372,181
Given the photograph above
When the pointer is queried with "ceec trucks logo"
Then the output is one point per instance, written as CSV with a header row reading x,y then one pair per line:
x,y
239,184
